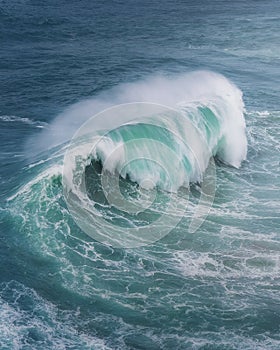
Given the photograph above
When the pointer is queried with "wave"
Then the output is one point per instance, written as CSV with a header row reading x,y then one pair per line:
x,y
162,143
166,146
203,117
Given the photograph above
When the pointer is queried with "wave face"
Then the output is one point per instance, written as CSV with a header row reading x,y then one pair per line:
x,y
171,148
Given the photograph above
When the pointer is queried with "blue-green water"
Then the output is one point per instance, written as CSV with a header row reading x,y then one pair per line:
x,y
217,288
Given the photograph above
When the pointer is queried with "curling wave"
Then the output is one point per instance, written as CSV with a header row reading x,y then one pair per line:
x,y
163,146
164,141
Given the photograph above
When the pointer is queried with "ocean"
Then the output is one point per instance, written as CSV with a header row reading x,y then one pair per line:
x,y
139,178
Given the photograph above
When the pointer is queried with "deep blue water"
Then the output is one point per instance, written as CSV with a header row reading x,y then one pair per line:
x,y
60,289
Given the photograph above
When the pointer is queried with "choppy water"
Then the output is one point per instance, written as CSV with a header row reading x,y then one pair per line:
x,y
217,288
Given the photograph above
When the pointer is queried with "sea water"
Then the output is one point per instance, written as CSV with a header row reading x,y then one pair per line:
x,y
207,76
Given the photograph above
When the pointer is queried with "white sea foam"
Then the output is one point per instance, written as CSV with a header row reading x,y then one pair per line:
x,y
16,119
45,325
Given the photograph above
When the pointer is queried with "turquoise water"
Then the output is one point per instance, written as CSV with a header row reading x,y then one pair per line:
x,y
216,288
